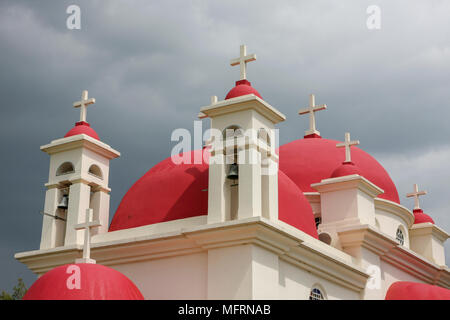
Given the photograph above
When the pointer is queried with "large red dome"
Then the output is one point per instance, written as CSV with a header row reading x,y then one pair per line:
x,y
96,282
307,161
407,290
169,192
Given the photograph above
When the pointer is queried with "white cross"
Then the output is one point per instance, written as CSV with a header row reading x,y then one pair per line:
x,y
87,225
347,144
242,61
312,118
82,104
416,194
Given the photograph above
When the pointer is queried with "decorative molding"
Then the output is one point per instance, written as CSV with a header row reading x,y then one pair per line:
x,y
246,102
81,141
348,182
397,255
428,228
295,247
396,209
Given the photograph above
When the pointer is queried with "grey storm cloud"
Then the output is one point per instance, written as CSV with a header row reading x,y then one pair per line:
x,y
152,64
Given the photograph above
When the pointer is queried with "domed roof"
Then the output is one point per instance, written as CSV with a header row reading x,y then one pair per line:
x,y
406,290
96,282
82,127
169,192
307,161
346,169
242,88
421,217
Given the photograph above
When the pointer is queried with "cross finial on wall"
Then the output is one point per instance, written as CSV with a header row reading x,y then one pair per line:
x,y
416,194
242,61
82,104
87,225
312,117
347,144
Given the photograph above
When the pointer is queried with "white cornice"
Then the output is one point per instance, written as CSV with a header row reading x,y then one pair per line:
x,y
428,228
80,141
348,182
249,101
396,209
291,245
390,251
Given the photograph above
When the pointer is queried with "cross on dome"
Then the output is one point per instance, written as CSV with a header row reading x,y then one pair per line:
x,y
87,225
347,144
312,118
416,194
242,61
82,104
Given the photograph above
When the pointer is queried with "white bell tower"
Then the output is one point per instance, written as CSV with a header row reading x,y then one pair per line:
x,y
78,180
243,167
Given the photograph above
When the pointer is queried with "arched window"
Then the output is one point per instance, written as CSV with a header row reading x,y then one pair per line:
x,y
316,294
400,237
232,131
95,170
264,136
65,168
317,220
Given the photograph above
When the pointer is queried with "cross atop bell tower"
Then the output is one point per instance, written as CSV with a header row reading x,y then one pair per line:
x,y
242,61
416,194
311,110
347,144
83,104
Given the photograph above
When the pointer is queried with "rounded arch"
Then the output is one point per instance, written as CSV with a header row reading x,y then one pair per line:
x,y
317,292
96,171
232,131
400,235
264,135
65,168
377,224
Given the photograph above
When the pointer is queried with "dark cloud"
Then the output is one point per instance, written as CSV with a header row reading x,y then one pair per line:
x,y
151,66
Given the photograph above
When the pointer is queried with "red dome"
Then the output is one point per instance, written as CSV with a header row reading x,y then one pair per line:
x,y
405,290
242,88
421,217
307,161
82,127
96,282
169,192
346,169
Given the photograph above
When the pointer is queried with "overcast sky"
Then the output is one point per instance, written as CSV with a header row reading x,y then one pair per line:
x,y
152,64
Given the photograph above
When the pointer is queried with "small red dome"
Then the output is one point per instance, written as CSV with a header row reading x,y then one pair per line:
x,y
82,127
308,161
406,290
242,88
421,217
169,192
346,169
96,282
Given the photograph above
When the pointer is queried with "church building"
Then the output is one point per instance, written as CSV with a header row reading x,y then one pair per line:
x,y
240,218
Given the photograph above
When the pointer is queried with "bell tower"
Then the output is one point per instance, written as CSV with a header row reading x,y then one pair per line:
x,y
78,181
243,168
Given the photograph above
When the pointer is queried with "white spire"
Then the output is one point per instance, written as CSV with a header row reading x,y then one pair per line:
x,y
347,144
87,225
82,104
416,194
242,61
312,118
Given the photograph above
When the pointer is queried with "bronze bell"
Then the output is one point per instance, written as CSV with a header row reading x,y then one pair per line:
x,y
64,204
233,172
